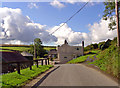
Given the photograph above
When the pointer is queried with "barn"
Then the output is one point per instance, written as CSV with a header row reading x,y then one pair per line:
x,y
6,57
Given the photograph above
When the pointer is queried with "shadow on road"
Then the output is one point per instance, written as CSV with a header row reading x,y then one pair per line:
x,y
41,80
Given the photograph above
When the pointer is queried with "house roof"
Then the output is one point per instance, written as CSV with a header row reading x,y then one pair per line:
x,y
11,57
26,54
52,51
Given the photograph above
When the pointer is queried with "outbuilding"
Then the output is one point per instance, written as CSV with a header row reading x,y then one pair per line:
x,y
27,55
9,57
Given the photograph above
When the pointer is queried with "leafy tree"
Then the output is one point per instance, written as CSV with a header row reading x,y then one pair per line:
x,y
40,51
37,42
109,13
39,48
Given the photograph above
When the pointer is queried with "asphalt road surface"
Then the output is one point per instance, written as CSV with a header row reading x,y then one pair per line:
x,y
77,75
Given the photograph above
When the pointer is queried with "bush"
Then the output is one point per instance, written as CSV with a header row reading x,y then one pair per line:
x,y
100,45
106,45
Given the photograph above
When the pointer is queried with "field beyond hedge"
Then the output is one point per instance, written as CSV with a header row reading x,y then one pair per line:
x,y
22,48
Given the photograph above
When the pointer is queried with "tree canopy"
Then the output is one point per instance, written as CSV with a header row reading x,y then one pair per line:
x,y
40,51
109,13
37,41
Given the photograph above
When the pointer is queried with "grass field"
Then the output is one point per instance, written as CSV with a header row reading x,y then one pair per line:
x,y
22,48
15,48
14,79
49,48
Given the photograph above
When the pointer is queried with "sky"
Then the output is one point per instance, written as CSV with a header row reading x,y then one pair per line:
x,y
22,22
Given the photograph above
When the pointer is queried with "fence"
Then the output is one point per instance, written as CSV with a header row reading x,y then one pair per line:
x,y
30,63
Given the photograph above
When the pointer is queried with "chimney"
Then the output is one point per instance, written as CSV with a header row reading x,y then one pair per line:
x,y
65,42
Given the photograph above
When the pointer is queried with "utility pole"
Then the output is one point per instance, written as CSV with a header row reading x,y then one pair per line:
x,y
34,49
83,47
117,22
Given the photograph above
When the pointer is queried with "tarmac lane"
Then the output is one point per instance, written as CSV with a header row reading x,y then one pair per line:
x,y
77,75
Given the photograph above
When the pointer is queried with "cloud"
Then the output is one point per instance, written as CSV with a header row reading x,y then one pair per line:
x,y
57,4
16,26
67,33
97,32
76,1
32,5
13,25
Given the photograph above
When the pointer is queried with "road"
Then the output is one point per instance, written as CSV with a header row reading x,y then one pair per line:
x,y
77,75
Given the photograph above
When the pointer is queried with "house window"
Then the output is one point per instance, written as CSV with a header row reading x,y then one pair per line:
x,y
77,48
65,57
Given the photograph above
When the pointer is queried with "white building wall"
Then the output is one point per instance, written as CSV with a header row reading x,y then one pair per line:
x,y
67,52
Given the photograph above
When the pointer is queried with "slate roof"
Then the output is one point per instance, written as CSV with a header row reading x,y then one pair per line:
x,y
26,54
52,51
11,57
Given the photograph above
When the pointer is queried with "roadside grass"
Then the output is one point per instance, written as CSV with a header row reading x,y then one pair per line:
x,y
14,79
78,60
94,51
108,60
84,58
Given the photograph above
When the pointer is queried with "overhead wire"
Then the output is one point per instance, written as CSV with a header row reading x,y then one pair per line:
x,y
70,18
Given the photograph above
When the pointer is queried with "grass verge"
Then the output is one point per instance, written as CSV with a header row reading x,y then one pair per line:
x,y
78,60
14,79
108,61
83,58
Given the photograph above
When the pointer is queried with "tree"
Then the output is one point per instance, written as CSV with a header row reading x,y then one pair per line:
x,y
38,48
109,13
37,42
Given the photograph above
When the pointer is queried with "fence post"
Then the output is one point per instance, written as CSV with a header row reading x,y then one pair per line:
x,y
18,67
41,62
45,61
30,65
37,63
48,61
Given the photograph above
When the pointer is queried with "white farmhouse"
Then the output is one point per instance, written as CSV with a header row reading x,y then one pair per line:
x,y
67,52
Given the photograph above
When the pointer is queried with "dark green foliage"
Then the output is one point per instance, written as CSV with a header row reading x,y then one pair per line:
x,y
40,51
106,45
95,46
100,45
108,59
90,47
31,50
109,12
